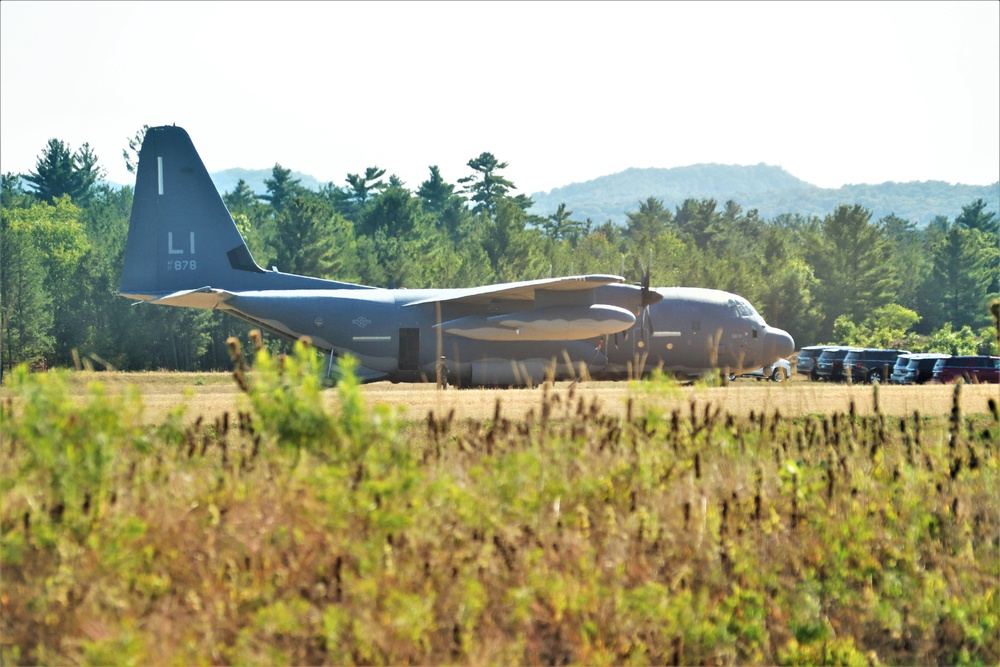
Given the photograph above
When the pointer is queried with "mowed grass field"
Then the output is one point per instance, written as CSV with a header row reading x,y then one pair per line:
x,y
209,395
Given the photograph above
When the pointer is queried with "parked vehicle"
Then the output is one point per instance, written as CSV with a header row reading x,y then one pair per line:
x,y
920,368
830,364
970,368
870,364
779,371
805,362
898,375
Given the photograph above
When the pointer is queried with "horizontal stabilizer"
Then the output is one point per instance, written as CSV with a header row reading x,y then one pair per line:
x,y
203,297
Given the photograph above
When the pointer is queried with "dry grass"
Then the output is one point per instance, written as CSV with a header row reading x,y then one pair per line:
x,y
792,399
212,394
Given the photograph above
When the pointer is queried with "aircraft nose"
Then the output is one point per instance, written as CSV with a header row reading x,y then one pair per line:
x,y
778,344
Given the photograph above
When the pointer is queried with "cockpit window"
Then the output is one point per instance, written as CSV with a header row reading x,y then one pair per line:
x,y
742,308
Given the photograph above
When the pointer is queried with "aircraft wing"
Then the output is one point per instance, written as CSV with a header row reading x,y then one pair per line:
x,y
521,291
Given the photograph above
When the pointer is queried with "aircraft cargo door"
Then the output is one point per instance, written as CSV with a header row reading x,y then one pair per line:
x,y
409,349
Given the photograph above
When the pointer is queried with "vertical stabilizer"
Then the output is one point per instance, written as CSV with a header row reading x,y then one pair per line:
x,y
180,234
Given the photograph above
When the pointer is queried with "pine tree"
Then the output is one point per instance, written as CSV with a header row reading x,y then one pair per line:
x,y
486,187
281,188
975,216
363,187
439,199
312,239
850,258
59,172
646,224
131,154
964,267
559,225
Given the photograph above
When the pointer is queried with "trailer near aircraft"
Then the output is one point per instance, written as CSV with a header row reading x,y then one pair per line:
x,y
183,249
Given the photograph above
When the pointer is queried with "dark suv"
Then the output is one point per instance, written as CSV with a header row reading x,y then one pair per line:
x,y
970,368
805,363
920,368
830,364
870,365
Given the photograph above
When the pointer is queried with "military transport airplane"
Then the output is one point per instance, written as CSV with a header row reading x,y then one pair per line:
x,y
184,249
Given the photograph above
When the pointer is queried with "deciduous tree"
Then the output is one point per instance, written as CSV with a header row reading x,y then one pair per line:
x,y
57,232
25,305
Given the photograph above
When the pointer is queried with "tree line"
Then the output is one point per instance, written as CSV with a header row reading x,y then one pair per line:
x,y
842,277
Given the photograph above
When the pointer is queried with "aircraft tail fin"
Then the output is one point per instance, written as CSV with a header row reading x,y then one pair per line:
x,y
181,236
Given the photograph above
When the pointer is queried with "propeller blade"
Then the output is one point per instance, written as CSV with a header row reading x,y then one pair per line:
x,y
649,297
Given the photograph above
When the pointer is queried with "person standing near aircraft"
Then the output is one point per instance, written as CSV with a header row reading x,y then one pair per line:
x,y
442,373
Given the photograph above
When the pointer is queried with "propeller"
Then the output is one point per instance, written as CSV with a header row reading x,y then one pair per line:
x,y
647,297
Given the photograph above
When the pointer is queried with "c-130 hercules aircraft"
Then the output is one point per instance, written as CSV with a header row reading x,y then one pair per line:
x,y
184,249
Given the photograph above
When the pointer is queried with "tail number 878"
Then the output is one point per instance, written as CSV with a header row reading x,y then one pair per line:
x,y
182,265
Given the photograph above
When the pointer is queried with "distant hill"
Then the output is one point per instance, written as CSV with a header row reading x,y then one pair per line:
x,y
771,190
227,179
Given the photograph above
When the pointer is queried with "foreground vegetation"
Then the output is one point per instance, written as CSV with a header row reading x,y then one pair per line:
x,y
289,533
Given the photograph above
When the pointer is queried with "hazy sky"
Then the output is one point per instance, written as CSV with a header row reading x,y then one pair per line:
x,y
564,92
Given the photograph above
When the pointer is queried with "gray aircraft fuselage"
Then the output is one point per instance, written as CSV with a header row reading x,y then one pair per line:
x,y
693,330
183,249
